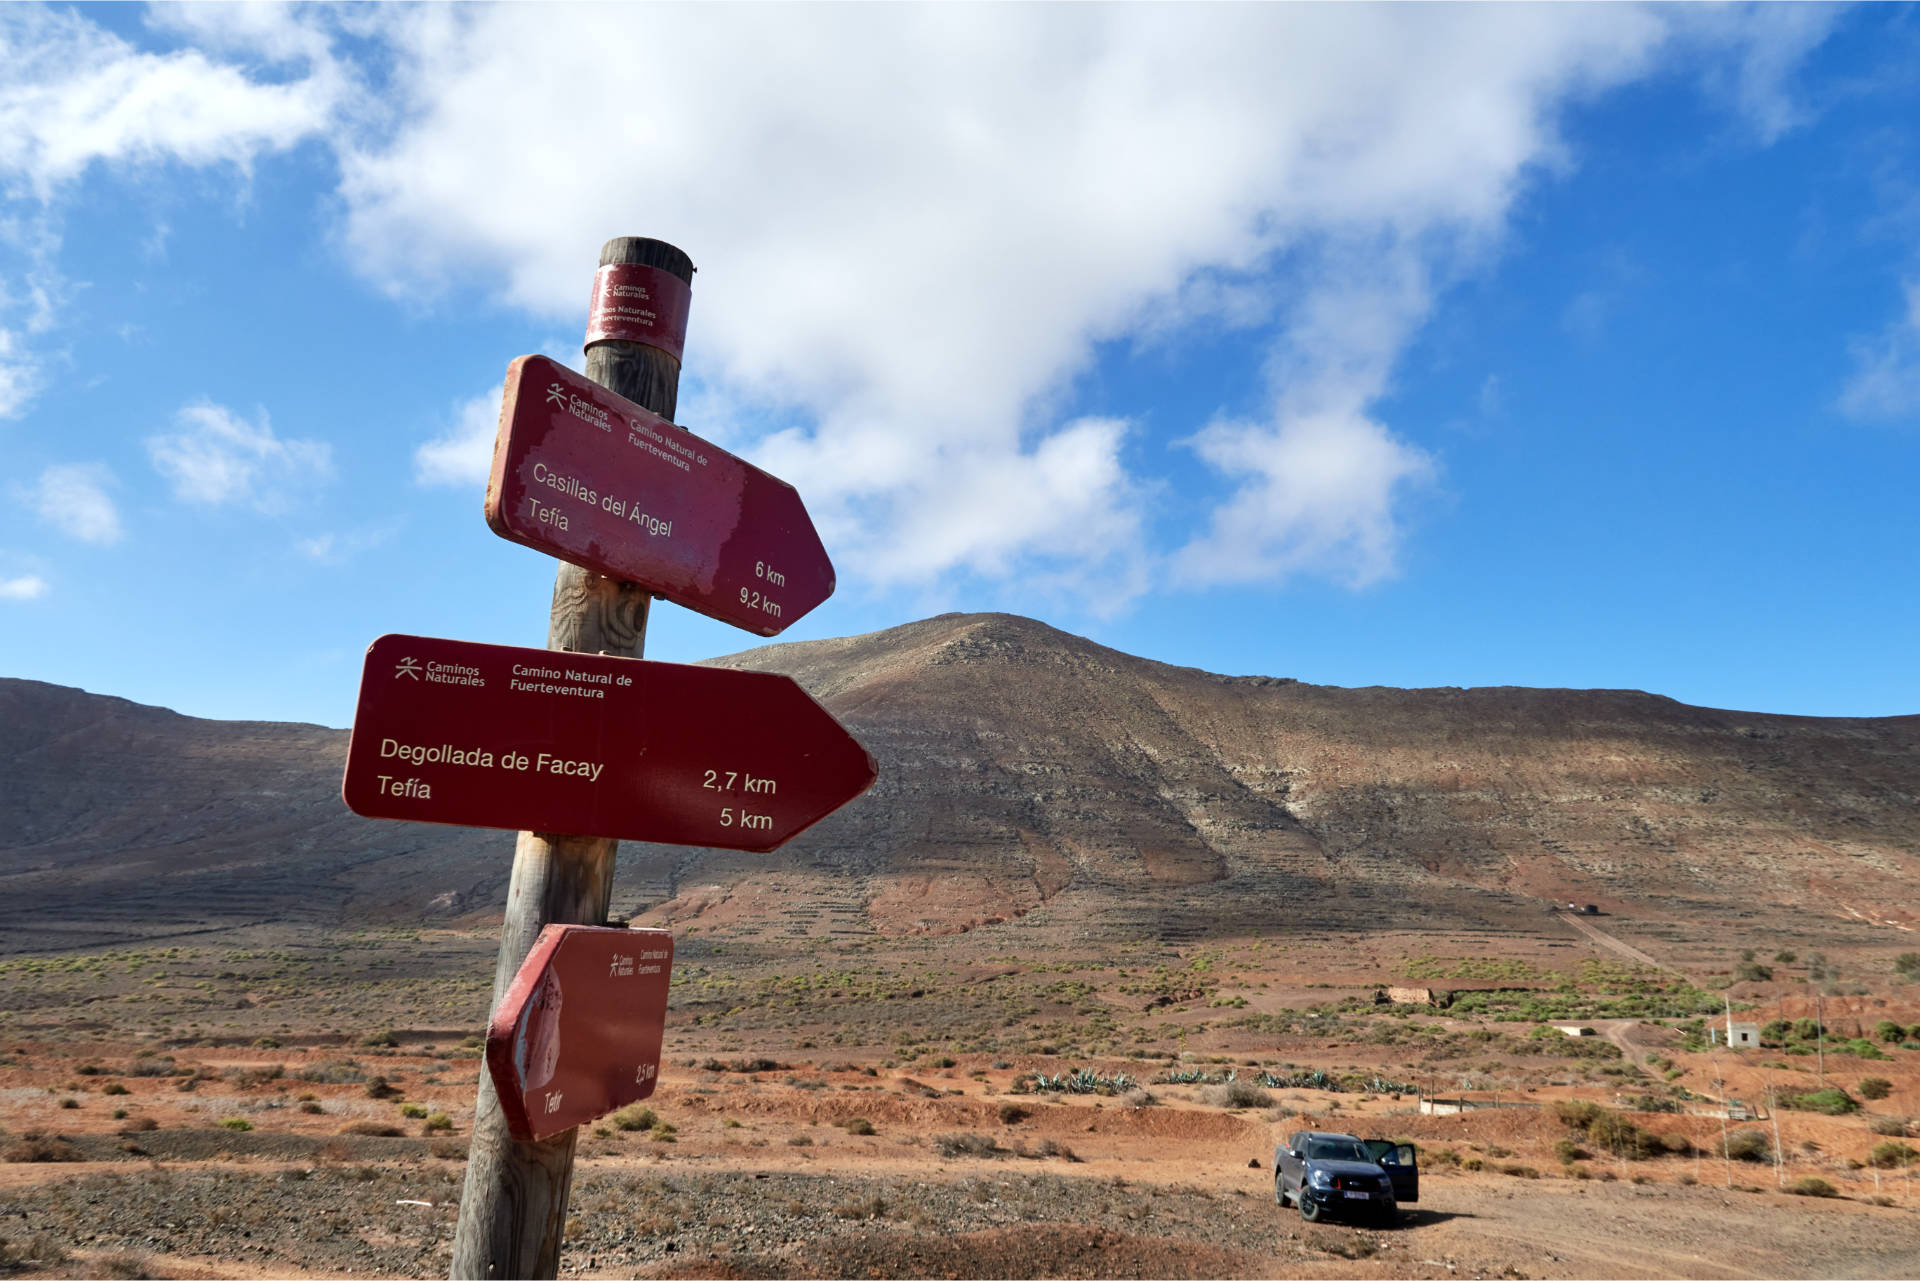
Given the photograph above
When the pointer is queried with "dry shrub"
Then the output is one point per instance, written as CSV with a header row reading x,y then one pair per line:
x,y
967,1144
634,1117
1235,1094
125,1267
1013,1113
873,1207
1138,1098
333,1073
35,1146
859,1125
40,1250
1812,1185
370,1129
139,1125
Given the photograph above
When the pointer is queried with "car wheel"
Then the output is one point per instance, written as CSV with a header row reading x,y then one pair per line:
x,y
1309,1208
1279,1190
1387,1216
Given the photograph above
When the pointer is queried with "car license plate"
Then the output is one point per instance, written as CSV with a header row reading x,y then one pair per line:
x,y
1359,1196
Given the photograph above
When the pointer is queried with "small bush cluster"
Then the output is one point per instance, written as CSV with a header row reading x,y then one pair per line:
x,y
1812,1185
1832,1101
1891,1155
967,1144
1609,1130
1236,1094
1082,1081
1748,1145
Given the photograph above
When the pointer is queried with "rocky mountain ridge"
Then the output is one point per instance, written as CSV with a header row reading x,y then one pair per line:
x,y
1032,780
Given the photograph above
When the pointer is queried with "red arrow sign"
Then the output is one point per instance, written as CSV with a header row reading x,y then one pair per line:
x,y
578,1032
546,741
592,478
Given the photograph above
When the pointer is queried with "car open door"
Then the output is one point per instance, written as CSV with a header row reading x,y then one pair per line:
x,y
1401,1165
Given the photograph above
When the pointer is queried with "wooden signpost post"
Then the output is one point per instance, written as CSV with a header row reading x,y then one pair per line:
x,y
593,471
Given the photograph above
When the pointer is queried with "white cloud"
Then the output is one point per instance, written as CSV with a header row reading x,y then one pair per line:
x,y
1886,370
24,587
917,224
218,458
1753,52
463,454
19,375
75,95
914,225
338,548
73,498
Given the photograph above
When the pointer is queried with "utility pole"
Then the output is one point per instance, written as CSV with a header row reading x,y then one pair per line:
x,y
513,1208
1820,1035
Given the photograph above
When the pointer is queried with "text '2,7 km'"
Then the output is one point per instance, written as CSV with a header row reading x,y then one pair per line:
x,y
534,740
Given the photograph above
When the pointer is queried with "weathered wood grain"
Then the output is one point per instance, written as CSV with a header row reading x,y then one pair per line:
x,y
514,1207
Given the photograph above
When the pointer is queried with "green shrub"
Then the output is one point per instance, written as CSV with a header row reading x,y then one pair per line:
x,y
1891,1155
1813,1185
1832,1101
634,1117
1748,1145
438,1123
114,1087
1577,1113
236,1123
412,1111
1875,1087
1889,1031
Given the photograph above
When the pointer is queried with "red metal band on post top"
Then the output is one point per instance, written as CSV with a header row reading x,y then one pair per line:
x,y
639,304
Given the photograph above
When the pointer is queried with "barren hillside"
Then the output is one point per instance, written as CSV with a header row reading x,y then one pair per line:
x,y
1034,780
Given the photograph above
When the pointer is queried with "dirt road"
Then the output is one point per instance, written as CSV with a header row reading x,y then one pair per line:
x,y
1627,950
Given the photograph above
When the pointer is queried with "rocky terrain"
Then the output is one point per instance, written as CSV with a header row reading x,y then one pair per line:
x,y
1034,780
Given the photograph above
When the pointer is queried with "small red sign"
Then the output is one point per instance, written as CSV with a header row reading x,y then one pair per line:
x,y
578,1033
594,479
631,303
546,741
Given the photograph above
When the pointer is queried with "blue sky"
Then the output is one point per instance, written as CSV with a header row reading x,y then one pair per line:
x,y
1559,345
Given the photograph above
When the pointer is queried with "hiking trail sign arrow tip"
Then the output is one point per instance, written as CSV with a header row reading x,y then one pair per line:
x,y
540,740
590,477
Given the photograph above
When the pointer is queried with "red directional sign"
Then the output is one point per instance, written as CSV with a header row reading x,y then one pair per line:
x,y
592,478
546,741
578,1032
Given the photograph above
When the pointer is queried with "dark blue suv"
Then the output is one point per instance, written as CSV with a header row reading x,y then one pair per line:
x,y
1344,1175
